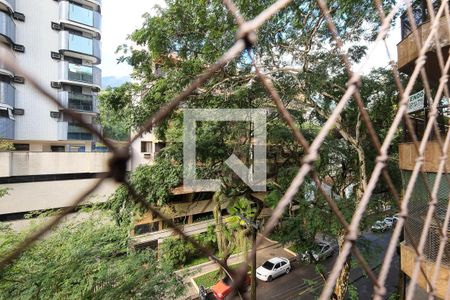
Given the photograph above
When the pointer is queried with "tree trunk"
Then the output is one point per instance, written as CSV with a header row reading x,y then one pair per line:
x,y
341,287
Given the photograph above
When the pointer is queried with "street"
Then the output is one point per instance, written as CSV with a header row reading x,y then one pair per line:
x,y
303,282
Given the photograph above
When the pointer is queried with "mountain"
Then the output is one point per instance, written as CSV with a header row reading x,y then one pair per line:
x,y
114,81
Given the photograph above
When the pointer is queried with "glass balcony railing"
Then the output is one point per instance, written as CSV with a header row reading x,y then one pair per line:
x,y
76,132
7,94
7,27
81,45
80,73
81,102
84,16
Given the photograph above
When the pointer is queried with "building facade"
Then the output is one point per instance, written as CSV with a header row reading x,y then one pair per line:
x,y
418,108
59,44
55,159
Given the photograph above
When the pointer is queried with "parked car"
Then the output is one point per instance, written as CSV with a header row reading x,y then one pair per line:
x,y
321,251
379,226
389,221
223,287
396,217
273,268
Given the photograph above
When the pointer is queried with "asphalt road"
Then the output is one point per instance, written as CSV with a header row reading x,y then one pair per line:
x,y
305,283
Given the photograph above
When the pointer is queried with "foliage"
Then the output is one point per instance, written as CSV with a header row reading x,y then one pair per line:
x,y
88,260
6,146
293,48
155,181
180,253
211,278
176,251
3,192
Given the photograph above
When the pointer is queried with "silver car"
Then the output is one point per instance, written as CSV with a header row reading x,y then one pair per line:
x,y
321,251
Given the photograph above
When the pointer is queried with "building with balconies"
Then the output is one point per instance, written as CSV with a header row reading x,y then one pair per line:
x,y
418,109
59,44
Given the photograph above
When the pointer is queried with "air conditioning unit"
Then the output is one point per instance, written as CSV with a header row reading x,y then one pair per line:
x,y
148,155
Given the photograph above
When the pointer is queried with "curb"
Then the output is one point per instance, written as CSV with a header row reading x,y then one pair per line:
x,y
291,252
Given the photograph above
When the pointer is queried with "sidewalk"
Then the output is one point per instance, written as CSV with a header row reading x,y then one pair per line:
x,y
266,250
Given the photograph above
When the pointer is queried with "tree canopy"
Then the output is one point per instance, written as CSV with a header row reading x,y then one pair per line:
x,y
87,260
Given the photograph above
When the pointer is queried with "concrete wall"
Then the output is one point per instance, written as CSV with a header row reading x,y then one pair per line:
x,y
39,163
24,197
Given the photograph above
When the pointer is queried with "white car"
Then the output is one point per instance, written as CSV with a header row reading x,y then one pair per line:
x,y
273,268
379,226
389,221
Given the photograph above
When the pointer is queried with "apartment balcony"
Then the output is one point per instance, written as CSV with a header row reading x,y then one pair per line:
x,y
432,154
43,163
407,49
7,29
73,131
7,94
189,230
80,18
9,5
408,259
5,71
79,102
80,46
94,4
6,128
80,75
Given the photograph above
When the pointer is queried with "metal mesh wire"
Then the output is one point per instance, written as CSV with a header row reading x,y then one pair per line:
x,y
423,214
418,208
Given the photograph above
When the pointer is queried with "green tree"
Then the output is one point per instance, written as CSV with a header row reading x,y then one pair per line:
x,y
88,260
293,49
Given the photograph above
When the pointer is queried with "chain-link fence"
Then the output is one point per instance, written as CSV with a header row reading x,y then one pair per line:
x,y
423,216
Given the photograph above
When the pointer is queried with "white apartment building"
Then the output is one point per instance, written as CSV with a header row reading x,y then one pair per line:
x,y
59,43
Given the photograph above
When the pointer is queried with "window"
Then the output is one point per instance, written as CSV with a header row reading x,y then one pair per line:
x,y
203,217
4,113
146,228
283,263
159,146
22,147
58,148
277,265
146,147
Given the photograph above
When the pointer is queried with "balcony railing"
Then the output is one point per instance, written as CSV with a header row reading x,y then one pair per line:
x,y
73,131
80,73
76,132
78,14
7,94
6,128
421,15
81,46
78,101
7,27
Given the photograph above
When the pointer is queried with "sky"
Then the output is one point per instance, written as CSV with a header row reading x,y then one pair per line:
x,y
120,18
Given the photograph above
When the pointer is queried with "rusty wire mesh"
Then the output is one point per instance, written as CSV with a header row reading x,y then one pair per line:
x,y
424,213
